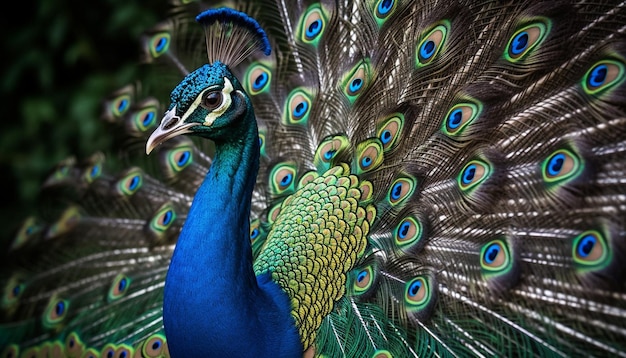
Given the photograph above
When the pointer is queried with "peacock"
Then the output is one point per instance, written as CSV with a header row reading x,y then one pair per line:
x,y
343,178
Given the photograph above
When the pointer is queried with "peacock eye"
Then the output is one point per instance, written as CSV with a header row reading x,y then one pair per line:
x,y
212,100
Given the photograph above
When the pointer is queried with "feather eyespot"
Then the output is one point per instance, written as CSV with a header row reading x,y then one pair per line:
x,y
29,228
474,173
590,250
258,79
369,156
282,178
459,117
417,293
119,287
312,24
298,107
408,234
261,143
92,173
382,353
120,105
74,345
356,80
328,150
108,351
363,280
68,220
154,346
12,292
525,39
130,183
159,43
255,230
91,353
561,166
212,100
384,9
430,46
124,351
55,312
495,256
163,219
179,158
390,129
400,190
603,75
145,119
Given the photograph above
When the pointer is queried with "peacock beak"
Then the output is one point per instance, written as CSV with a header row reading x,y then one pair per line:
x,y
171,126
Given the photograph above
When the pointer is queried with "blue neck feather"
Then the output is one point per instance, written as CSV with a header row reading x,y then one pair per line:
x,y
214,305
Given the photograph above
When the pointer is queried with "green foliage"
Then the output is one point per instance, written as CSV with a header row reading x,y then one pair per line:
x,y
60,58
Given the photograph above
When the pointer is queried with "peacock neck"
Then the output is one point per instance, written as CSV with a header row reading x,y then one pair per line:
x,y
213,301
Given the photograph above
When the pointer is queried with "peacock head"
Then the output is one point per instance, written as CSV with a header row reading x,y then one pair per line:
x,y
209,102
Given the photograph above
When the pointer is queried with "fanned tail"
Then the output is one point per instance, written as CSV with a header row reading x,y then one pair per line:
x,y
487,143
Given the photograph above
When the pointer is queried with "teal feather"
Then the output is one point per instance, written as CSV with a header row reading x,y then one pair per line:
x,y
433,179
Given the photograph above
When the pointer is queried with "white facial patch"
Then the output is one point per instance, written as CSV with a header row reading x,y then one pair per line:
x,y
213,115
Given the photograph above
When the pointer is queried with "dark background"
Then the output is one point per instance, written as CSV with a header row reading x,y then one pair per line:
x,y
60,58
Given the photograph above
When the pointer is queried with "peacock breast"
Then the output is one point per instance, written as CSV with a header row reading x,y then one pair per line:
x,y
317,237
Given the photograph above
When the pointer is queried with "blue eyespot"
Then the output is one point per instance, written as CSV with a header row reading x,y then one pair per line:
x,y
356,85
121,286
95,171
110,354
160,44
156,345
366,162
432,44
286,180
414,288
586,245
134,182
492,253
147,118
555,165
519,43
314,28
403,230
598,75
385,136
604,75
183,158
167,217
260,81
427,49
59,308
254,234
329,154
396,191
300,109
469,174
361,276
123,105
384,7
455,118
